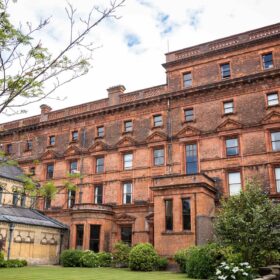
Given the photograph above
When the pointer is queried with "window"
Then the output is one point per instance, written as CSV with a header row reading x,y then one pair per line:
x,y
126,234
98,194
9,149
73,167
187,79
232,147
75,135
100,131
191,159
32,171
267,61
272,99
234,183
168,214
277,178
94,238
225,70
71,198
128,126
228,107
275,141
23,200
189,115
28,145
15,198
52,140
99,168
79,237
158,156
157,120
50,170
1,195
127,159
127,193
48,202
186,213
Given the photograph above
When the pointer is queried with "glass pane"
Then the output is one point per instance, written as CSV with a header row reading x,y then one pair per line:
x,y
232,151
231,143
234,189
234,178
275,136
126,234
277,173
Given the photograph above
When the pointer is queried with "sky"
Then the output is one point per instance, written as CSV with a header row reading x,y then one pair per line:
x,y
130,50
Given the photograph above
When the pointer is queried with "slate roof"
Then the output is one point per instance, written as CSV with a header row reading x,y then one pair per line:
x,y
10,171
19,215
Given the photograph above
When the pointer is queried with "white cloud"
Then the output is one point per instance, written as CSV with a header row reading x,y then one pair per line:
x,y
155,24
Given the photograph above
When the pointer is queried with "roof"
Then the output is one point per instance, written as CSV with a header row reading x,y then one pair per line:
x,y
27,216
10,171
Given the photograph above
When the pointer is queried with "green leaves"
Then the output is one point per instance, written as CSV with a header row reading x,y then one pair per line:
x,y
248,222
48,190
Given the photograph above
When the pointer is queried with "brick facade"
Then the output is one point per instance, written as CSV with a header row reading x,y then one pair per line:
x,y
213,134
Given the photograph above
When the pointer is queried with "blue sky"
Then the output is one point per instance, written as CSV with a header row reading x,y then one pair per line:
x,y
130,50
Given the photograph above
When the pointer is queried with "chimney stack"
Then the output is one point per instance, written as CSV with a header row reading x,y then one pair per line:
x,y
114,94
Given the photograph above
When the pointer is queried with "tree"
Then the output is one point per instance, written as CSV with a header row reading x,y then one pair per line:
x,y
250,223
28,71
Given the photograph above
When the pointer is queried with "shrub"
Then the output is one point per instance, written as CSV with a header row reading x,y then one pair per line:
x,y
89,259
241,271
1,259
143,257
162,263
121,254
71,258
14,263
248,222
181,259
104,259
201,261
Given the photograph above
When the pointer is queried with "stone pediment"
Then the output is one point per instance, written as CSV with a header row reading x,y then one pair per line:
x,y
156,137
98,146
229,124
188,131
272,117
72,151
150,218
125,218
126,142
49,154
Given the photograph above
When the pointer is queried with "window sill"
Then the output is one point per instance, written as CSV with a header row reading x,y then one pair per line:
x,y
127,132
50,146
191,121
185,232
98,137
272,106
228,114
159,126
73,141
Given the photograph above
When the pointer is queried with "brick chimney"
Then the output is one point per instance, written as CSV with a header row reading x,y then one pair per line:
x,y
45,109
114,94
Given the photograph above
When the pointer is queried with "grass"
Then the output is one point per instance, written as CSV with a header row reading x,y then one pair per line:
x,y
60,273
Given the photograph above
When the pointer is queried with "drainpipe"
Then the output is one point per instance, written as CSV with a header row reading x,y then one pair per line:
x,y
82,166
195,219
11,230
169,135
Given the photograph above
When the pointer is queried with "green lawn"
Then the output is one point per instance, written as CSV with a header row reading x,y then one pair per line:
x,y
60,273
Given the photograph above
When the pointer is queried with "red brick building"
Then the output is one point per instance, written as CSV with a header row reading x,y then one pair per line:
x,y
155,162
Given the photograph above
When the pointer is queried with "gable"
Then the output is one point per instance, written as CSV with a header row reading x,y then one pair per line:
x,y
126,142
98,146
49,154
125,218
188,131
72,150
229,124
272,117
156,137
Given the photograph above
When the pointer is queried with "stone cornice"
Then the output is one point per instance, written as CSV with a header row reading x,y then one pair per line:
x,y
18,126
227,44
